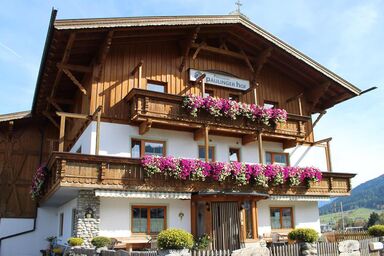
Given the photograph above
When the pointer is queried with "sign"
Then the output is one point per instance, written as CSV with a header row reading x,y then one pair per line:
x,y
220,80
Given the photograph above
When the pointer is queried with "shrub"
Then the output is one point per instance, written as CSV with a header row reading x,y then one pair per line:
x,y
100,241
376,230
308,235
202,242
75,241
174,239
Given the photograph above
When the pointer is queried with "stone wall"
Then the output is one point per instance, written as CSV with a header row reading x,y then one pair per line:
x,y
88,216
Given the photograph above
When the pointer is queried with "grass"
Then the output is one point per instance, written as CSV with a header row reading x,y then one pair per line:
x,y
361,213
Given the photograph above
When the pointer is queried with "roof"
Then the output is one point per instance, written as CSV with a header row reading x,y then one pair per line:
x,y
15,116
97,23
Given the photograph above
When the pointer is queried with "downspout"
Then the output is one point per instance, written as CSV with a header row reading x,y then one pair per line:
x,y
48,40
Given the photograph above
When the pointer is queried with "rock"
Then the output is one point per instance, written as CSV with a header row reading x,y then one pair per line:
x,y
355,253
349,246
252,251
183,252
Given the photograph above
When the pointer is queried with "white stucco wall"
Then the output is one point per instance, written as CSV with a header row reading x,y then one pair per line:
x,y
28,244
115,140
67,210
305,214
115,214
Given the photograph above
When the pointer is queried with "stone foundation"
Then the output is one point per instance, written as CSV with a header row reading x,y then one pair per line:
x,y
88,216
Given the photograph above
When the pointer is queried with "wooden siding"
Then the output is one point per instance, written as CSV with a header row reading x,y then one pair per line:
x,y
161,63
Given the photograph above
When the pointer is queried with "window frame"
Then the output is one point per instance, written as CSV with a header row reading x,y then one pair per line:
x,y
212,92
148,207
277,153
271,102
239,155
155,82
142,145
213,152
281,217
61,224
238,96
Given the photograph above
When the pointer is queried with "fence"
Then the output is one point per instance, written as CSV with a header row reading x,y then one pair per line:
x,y
341,236
211,253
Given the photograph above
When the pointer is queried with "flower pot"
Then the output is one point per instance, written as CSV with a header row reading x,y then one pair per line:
x,y
174,252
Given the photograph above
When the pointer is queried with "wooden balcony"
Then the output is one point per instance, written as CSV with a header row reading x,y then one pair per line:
x,y
105,172
162,110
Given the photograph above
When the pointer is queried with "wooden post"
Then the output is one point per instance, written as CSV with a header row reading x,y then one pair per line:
x,y
193,217
260,144
98,133
300,106
140,74
328,155
62,134
206,141
255,95
203,88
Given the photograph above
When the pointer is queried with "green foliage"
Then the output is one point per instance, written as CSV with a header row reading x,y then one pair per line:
x,y
373,219
174,239
376,230
308,235
100,241
202,242
75,241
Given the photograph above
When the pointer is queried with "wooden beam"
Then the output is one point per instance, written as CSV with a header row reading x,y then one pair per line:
x,y
75,81
73,115
219,51
206,143
198,50
97,149
300,106
248,138
255,96
136,68
247,61
315,95
328,156
62,134
260,145
50,118
62,101
260,61
73,67
145,127
318,118
103,53
53,103
294,97
199,133
322,141
190,41
97,110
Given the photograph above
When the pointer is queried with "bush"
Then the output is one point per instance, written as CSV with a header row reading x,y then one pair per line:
x,y
202,242
100,241
376,230
308,235
174,239
75,241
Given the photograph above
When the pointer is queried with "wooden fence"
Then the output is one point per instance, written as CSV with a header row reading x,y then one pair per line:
x,y
341,236
211,253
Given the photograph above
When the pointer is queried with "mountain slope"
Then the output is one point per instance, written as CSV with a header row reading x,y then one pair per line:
x,y
367,195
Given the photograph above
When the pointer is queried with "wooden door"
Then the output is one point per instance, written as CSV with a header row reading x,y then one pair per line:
x,y
225,226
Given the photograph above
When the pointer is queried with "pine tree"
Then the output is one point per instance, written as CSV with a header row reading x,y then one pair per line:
x,y
373,219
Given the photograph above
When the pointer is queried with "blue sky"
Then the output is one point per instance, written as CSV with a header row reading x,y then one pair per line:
x,y
346,36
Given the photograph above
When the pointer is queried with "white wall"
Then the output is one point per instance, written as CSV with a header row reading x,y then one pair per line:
x,y
115,140
67,210
305,214
28,244
115,214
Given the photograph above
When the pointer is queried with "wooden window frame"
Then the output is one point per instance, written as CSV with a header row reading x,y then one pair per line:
x,y
61,224
142,145
148,207
281,217
236,95
239,155
164,84
253,217
271,102
277,153
212,94
203,147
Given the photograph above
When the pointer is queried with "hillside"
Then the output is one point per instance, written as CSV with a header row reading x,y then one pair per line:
x,y
361,213
367,195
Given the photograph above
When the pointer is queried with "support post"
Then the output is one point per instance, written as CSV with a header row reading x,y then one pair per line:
x,y
260,144
206,141
203,88
255,96
328,155
140,75
98,118
62,134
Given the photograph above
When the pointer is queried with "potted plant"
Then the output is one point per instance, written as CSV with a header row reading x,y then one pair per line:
x,y
174,242
376,230
101,243
75,241
307,237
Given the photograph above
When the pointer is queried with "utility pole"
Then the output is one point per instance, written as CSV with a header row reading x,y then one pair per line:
x,y
342,215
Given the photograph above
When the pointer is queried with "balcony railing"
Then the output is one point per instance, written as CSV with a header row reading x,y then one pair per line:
x,y
106,172
165,110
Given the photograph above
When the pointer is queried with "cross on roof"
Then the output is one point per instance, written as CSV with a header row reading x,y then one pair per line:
x,y
239,4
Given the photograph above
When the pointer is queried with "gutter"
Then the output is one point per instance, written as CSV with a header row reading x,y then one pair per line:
x,y
48,41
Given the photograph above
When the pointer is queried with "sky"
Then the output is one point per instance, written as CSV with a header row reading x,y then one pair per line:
x,y
346,36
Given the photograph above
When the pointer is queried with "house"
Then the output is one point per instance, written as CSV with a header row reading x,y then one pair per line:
x,y
140,124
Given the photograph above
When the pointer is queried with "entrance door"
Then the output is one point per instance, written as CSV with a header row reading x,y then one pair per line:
x,y
225,226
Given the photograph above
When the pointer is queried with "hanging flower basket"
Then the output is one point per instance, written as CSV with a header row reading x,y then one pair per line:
x,y
38,181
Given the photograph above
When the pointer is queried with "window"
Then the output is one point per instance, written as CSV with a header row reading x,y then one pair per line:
x,y
61,224
211,153
73,224
234,97
276,158
281,217
140,148
209,93
148,219
234,154
156,86
248,219
270,104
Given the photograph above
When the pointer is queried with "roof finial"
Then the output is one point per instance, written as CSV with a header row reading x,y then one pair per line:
x,y
239,4
238,11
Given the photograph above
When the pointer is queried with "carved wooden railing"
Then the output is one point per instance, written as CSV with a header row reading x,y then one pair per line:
x,y
166,109
90,171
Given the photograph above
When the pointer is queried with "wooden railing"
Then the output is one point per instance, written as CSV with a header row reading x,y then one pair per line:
x,y
79,170
162,109
348,235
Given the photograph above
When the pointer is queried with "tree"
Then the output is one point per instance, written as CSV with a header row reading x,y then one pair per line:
x,y
374,218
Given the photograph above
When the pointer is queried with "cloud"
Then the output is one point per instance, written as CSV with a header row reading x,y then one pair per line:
x,y
6,48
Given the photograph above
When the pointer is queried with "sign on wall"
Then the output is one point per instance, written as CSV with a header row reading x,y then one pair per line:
x,y
220,80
